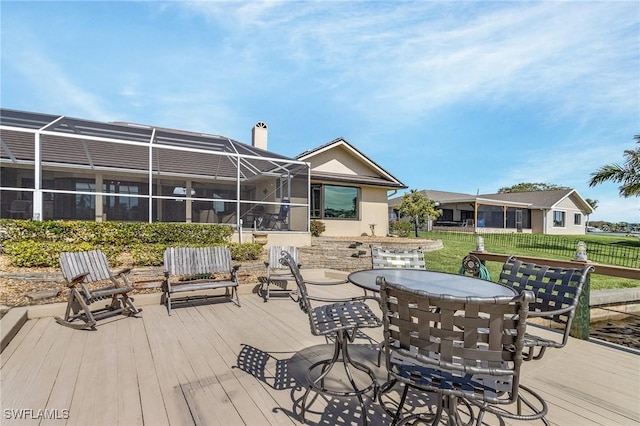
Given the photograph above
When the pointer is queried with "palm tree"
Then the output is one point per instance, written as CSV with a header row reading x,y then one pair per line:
x,y
628,176
594,206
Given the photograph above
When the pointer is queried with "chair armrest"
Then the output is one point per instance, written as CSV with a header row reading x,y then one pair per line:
x,y
326,282
343,299
234,272
77,279
539,314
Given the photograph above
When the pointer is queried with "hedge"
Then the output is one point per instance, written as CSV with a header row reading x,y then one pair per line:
x,y
28,243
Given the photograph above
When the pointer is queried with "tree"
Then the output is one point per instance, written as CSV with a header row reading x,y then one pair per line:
x,y
419,208
529,187
594,206
628,175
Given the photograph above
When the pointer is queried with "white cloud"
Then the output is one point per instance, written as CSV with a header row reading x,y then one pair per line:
x,y
396,60
52,86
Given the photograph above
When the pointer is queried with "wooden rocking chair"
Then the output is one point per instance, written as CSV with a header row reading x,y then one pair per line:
x,y
83,268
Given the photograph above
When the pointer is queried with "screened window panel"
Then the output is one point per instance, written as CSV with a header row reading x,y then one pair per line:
x,y
19,176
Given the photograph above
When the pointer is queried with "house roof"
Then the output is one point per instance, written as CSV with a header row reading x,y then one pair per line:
x,y
542,199
73,141
379,176
531,199
444,197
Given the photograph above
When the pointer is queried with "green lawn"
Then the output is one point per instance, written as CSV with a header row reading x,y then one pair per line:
x,y
449,258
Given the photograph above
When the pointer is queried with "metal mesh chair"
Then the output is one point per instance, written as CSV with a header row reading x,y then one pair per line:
x,y
339,318
557,291
277,274
387,258
281,220
461,348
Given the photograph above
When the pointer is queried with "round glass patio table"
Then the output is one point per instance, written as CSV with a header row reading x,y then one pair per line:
x,y
440,283
431,282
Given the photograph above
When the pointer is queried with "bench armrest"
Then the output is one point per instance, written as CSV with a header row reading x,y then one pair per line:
x,y
123,271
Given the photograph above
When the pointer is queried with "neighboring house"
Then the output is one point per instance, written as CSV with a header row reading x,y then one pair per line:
x,y
545,212
348,190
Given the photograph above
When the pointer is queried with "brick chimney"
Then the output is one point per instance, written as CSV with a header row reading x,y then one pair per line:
x,y
259,135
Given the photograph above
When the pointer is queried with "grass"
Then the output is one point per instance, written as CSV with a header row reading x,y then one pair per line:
x,y
449,258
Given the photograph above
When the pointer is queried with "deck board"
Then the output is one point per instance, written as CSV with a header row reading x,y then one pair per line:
x,y
213,363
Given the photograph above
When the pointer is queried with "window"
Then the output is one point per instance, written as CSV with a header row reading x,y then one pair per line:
x,y
577,219
334,202
558,218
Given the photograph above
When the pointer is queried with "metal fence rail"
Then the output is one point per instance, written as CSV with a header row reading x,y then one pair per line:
x,y
559,246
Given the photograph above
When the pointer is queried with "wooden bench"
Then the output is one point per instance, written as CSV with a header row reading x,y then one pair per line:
x,y
189,269
90,279
387,258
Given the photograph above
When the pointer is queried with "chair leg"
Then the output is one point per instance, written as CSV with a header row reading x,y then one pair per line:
x,y
433,418
79,307
234,290
403,398
317,384
537,406
263,288
129,306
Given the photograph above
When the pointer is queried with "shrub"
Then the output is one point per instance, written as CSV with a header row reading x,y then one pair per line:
x,y
317,228
245,251
401,229
35,254
148,254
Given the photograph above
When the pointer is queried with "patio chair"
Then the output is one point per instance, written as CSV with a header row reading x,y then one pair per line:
x,y
463,349
557,291
20,209
278,275
388,258
281,221
90,279
340,319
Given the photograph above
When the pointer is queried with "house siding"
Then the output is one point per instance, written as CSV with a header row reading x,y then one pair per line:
x,y
372,210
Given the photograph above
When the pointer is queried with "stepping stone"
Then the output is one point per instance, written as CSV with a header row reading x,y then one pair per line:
x,y
44,294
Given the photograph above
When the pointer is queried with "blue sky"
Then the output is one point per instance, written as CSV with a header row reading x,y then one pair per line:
x,y
454,96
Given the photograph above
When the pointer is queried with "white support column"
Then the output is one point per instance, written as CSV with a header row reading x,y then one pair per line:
x,y
99,211
36,205
187,204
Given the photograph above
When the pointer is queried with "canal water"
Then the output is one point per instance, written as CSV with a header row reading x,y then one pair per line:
x,y
624,332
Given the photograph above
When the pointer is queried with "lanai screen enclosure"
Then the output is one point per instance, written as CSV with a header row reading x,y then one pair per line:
x,y
58,167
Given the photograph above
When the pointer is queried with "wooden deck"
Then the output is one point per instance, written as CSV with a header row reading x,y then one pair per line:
x,y
219,364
